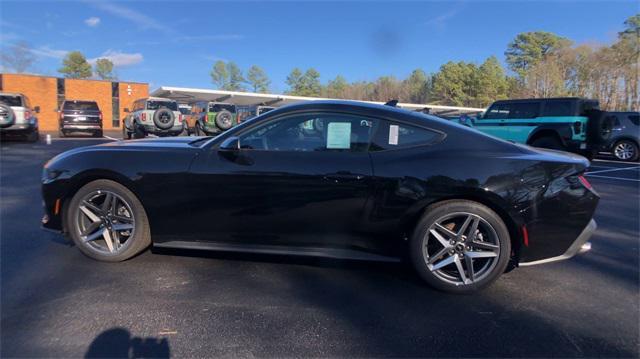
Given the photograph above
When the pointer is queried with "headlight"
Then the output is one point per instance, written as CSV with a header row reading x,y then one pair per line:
x,y
49,174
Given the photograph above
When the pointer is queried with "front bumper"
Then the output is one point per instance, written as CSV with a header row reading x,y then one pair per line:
x,y
580,245
83,127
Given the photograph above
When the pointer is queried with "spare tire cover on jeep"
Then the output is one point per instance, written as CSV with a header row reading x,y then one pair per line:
x,y
7,116
599,126
224,120
164,118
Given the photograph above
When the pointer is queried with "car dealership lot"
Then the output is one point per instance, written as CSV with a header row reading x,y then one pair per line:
x,y
56,302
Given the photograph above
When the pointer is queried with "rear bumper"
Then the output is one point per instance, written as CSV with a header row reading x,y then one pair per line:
x,y
83,127
580,245
19,129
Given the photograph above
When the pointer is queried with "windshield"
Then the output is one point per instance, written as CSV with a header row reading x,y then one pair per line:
x,y
81,106
11,100
185,111
154,105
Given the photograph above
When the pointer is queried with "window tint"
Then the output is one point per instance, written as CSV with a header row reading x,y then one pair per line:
x,y
220,107
558,108
154,105
524,110
311,132
498,111
11,100
81,105
390,135
635,119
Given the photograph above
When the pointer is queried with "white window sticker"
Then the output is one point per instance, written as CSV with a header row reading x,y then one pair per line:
x,y
393,134
339,135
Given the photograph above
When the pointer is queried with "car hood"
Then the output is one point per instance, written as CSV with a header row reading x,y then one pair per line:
x,y
160,142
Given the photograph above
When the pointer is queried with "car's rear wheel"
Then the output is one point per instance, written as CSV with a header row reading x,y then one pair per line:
x,y
460,246
626,150
107,221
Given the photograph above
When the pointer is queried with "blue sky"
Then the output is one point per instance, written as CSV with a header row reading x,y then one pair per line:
x,y
175,43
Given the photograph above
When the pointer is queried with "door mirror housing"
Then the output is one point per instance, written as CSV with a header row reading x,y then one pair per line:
x,y
231,144
37,109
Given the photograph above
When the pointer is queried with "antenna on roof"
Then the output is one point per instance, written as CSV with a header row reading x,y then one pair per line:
x,y
392,103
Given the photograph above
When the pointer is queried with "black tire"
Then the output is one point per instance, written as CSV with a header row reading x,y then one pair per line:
x,y
62,134
599,127
164,118
7,116
126,135
224,120
199,130
34,136
138,132
626,150
548,142
98,133
140,238
489,222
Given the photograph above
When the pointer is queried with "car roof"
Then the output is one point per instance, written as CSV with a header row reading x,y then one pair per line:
x,y
11,94
545,99
159,99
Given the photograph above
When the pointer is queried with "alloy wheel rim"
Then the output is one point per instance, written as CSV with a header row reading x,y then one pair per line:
x,y
105,221
461,248
624,151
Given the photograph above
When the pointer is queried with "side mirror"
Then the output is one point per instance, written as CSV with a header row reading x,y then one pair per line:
x,y
126,110
37,109
231,144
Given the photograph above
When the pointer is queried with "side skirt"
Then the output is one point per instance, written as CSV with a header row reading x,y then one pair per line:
x,y
334,253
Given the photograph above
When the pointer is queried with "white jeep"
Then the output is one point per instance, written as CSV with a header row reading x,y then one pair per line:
x,y
17,118
157,116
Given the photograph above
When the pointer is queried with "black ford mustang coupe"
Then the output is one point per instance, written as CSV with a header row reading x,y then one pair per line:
x,y
330,178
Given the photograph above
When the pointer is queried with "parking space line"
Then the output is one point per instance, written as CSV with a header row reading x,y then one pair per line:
x,y
111,138
615,169
613,178
615,161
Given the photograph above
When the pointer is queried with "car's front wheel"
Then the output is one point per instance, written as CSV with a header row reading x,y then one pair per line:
x,y
460,246
626,150
107,221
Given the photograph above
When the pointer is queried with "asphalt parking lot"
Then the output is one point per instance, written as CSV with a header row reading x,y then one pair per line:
x,y
57,302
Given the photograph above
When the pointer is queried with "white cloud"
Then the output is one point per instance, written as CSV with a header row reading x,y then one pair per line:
x,y
439,22
215,37
46,51
134,16
92,21
119,59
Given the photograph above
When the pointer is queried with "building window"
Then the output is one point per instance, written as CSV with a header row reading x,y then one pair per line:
x,y
61,91
115,89
115,110
0,82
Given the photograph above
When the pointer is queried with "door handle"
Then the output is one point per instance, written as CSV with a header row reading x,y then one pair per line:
x,y
343,177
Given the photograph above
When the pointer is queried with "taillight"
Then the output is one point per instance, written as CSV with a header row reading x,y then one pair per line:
x,y
206,117
27,115
525,236
180,118
61,115
100,115
143,116
584,182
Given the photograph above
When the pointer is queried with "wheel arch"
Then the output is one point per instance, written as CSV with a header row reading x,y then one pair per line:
x,y
561,133
624,138
513,223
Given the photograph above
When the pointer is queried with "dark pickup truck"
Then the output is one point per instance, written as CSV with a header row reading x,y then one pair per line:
x,y
80,116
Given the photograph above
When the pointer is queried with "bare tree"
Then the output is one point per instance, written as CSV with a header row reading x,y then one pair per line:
x,y
18,57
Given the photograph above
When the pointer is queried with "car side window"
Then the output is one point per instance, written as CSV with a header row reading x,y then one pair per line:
x,y
312,132
524,110
498,112
390,135
558,108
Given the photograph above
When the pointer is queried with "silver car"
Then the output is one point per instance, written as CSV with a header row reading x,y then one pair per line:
x,y
17,117
625,140
157,116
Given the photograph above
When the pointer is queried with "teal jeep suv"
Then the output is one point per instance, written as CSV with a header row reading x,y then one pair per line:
x,y
568,124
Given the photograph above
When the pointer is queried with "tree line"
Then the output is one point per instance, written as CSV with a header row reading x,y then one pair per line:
x,y
539,64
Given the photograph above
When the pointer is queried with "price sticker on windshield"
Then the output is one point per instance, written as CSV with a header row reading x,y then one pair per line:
x,y
339,135
393,134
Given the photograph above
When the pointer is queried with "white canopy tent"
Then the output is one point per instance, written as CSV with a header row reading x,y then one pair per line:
x,y
191,95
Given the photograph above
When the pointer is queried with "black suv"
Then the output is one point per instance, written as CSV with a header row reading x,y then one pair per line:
x,y
80,116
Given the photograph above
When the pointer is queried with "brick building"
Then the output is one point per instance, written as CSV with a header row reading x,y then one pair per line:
x,y
49,92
